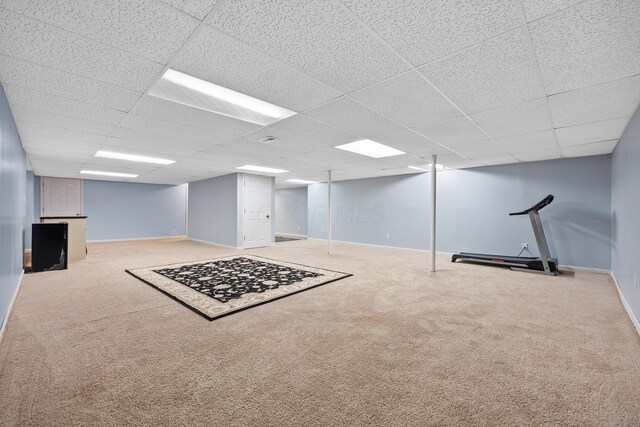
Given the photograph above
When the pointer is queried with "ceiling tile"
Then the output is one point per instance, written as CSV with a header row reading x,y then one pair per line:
x,y
591,132
26,74
591,43
31,115
594,149
145,148
319,38
175,130
35,41
606,101
286,141
161,109
524,117
196,8
454,133
423,31
536,9
146,28
39,142
306,127
496,73
19,96
500,160
266,151
536,156
57,135
408,99
161,138
481,149
535,141
220,59
351,116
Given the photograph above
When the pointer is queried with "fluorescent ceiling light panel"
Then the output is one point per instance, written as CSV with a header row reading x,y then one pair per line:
x,y
117,174
184,89
302,181
261,169
133,158
426,168
370,148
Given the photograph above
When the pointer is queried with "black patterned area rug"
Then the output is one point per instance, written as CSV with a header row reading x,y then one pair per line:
x,y
217,287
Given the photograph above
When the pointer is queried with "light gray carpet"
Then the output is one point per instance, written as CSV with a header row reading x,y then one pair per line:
x,y
391,346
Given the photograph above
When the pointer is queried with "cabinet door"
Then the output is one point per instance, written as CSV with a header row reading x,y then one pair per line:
x,y
61,197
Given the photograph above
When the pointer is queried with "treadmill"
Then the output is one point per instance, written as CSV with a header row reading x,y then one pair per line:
x,y
544,264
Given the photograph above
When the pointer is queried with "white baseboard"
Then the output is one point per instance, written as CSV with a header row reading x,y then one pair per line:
x,y
220,245
13,301
298,236
137,238
625,304
585,269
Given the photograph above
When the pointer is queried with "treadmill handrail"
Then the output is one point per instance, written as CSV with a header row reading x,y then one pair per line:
x,y
541,204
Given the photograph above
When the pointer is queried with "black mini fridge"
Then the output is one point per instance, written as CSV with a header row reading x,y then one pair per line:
x,y
49,246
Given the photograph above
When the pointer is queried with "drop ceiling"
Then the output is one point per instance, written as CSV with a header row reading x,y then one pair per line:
x,y
476,82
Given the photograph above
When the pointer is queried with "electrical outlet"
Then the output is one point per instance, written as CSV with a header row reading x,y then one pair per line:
x,y
525,246
387,235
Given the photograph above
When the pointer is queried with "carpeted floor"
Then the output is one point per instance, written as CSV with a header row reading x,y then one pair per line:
x,y
394,345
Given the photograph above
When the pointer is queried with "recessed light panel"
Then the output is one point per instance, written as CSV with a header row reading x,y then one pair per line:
x,y
370,148
133,158
261,169
188,90
301,181
116,174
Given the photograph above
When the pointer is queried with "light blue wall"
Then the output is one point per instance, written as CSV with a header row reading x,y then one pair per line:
x,y
473,207
13,207
625,256
291,210
125,210
214,214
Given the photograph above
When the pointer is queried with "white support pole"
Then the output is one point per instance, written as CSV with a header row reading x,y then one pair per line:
x,y
329,210
434,160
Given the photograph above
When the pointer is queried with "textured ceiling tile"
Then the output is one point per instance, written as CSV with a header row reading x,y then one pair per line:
x,y
410,142
146,28
148,124
524,117
493,74
57,135
423,31
453,133
409,100
606,101
320,38
35,41
220,59
196,8
55,82
30,115
536,141
536,156
351,116
161,109
591,132
594,42
314,130
285,140
160,137
500,160
146,148
19,96
443,158
594,149
266,151
482,149
40,142
536,9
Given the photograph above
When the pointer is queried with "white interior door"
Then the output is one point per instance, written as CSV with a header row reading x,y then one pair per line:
x,y
257,211
60,197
